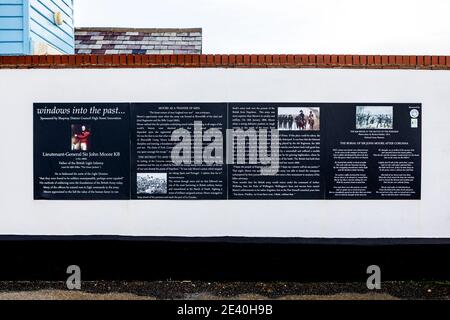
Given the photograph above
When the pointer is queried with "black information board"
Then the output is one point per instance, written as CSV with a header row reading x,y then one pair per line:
x,y
81,151
227,151
155,174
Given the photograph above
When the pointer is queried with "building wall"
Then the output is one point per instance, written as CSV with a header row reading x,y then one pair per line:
x,y
428,217
13,27
46,36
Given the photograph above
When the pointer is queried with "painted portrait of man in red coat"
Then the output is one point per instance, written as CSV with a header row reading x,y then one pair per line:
x,y
80,137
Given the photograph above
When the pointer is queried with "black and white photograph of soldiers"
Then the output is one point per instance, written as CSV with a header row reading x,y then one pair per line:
x,y
151,183
304,119
374,117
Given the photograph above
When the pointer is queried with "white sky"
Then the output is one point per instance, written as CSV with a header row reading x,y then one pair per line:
x,y
287,26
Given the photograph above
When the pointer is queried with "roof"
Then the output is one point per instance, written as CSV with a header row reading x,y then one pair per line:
x,y
138,41
227,61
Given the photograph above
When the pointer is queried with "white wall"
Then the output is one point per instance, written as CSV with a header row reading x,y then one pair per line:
x,y
20,214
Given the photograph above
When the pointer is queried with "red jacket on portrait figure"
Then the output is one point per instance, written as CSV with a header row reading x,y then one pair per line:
x,y
84,136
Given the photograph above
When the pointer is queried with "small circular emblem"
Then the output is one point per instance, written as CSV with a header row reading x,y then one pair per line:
x,y
414,113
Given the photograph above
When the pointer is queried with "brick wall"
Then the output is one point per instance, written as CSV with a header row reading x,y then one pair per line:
x,y
138,41
227,61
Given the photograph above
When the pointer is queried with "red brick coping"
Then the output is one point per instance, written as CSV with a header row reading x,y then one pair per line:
x,y
226,61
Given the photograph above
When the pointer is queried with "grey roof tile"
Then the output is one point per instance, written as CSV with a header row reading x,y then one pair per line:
x,y
137,41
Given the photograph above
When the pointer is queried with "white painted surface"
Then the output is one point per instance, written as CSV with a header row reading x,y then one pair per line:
x,y
20,214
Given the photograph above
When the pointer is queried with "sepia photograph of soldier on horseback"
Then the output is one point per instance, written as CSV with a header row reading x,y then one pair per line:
x,y
304,119
374,117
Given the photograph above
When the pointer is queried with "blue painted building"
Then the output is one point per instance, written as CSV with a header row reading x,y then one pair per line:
x,y
36,27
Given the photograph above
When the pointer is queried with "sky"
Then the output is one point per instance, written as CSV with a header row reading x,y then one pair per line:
x,y
287,26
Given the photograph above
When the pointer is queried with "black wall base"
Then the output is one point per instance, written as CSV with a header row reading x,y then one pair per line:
x,y
249,259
